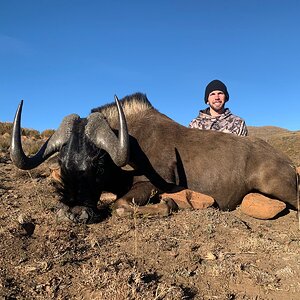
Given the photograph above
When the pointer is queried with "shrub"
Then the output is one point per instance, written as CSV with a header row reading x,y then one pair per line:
x,y
31,133
47,133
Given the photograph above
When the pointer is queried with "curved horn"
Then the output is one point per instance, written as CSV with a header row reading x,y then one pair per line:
x,y
52,145
101,134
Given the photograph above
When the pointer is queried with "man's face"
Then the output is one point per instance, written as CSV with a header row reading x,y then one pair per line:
x,y
216,100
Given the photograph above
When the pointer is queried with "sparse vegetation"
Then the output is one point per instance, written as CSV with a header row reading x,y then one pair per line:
x,y
284,140
31,139
5,128
4,142
47,133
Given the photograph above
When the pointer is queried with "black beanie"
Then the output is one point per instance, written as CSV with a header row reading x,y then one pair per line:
x,y
216,85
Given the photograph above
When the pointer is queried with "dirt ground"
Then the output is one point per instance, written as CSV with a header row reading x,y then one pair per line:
x,y
192,254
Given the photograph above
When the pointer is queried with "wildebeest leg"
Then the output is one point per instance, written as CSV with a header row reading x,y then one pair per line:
x,y
281,185
139,195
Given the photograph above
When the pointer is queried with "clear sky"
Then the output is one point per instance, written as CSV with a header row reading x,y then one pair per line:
x,y
68,56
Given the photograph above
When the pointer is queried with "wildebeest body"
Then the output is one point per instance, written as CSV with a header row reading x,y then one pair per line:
x,y
163,156
224,166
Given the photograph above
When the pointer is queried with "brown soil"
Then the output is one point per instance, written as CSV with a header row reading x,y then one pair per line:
x,y
192,254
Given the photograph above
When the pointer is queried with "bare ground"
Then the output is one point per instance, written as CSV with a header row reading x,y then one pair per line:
x,y
191,254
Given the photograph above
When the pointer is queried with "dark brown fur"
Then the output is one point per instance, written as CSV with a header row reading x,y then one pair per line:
x,y
222,165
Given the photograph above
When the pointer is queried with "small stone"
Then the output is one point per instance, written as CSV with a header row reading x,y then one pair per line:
x,y
107,197
26,225
210,256
24,218
83,217
63,215
29,228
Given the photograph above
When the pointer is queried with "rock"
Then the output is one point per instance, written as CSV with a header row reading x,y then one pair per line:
x,y
210,256
261,207
26,225
107,197
24,218
190,199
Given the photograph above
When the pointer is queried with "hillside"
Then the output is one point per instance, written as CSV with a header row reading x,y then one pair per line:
x,y
286,141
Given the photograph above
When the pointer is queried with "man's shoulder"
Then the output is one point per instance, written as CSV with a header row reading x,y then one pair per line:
x,y
229,114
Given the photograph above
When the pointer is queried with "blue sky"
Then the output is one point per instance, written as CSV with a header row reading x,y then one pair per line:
x,y
68,56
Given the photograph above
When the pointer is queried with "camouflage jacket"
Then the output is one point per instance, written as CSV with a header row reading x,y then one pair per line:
x,y
226,122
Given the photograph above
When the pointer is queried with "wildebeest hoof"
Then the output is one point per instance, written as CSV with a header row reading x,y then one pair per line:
x,y
78,214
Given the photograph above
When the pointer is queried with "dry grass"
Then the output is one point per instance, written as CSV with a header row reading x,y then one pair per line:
x,y
5,128
4,142
284,140
32,139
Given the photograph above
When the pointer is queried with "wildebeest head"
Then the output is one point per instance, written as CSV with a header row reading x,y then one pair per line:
x,y
83,145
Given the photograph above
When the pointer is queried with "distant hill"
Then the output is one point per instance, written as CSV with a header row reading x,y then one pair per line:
x,y
285,140
266,131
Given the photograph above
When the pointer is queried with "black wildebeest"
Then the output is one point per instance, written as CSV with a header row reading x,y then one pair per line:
x,y
162,155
